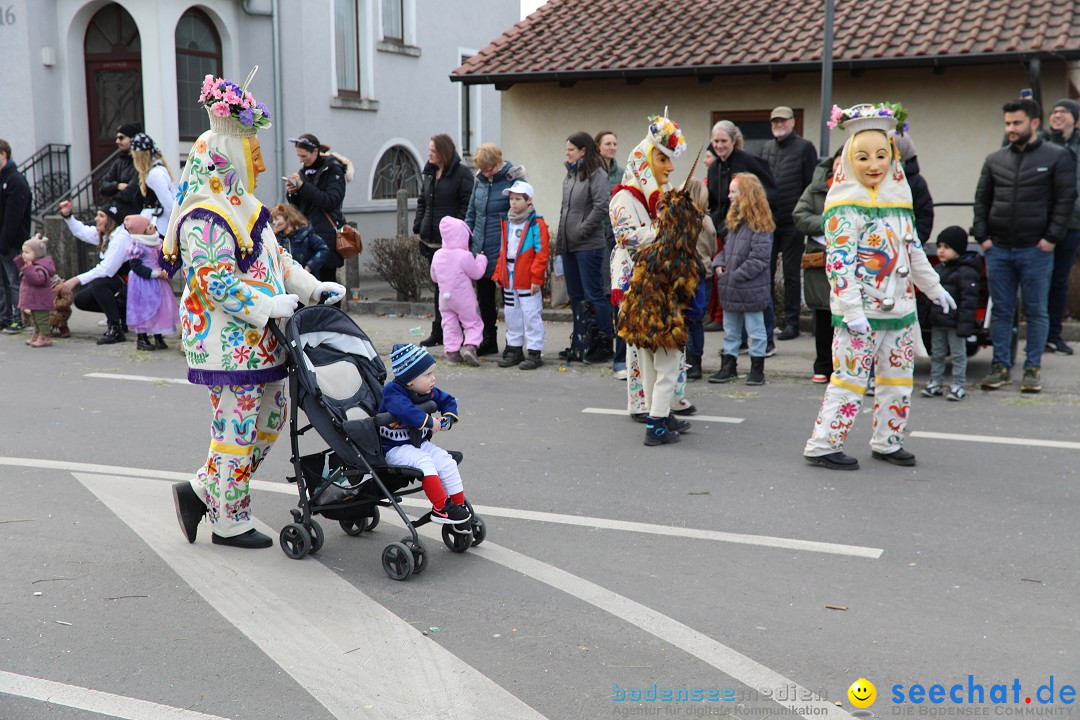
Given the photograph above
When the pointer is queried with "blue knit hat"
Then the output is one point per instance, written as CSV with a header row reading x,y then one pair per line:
x,y
408,361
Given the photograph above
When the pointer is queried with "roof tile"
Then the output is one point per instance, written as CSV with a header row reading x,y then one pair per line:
x,y
698,34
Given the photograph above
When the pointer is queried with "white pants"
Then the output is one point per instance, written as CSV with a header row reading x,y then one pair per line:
x,y
891,353
247,420
638,399
660,369
431,460
524,319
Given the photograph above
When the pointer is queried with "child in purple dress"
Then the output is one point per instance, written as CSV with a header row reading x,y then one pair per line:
x,y
151,303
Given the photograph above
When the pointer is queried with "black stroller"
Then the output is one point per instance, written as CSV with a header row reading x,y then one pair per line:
x,y
336,377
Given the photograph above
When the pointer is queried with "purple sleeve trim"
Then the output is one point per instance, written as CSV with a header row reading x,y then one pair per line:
x,y
237,377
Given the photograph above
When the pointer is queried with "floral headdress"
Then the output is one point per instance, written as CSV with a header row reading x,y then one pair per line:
x,y
226,100
885,116
666,135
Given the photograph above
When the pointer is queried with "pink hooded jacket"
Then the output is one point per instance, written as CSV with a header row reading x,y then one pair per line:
x,y
453,267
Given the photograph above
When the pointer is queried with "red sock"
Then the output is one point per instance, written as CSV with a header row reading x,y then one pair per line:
x,y
458,498
434,490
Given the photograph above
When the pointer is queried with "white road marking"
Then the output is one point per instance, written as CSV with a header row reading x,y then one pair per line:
x,y
401,672
702,418
558,518
141,378
725,659
995,440
95,701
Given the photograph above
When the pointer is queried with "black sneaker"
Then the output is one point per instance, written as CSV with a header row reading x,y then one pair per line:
x,y
451,514
13,328
770,348
956,393
994,379
898,457
788,333
933,391
1058,345
1031,382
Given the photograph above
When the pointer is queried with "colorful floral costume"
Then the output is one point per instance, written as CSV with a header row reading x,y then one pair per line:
x,y
223,240
873,254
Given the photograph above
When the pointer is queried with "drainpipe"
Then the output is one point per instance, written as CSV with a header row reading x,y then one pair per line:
x,y
1035,81
826,78
279,128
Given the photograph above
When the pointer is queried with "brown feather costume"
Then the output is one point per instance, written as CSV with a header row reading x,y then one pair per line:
x,y
665,279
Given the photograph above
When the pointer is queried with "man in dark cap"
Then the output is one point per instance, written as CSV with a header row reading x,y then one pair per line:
x,y
1063,119
120,186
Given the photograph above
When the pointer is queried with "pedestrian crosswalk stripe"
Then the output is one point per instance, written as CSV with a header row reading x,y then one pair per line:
x,y
695,418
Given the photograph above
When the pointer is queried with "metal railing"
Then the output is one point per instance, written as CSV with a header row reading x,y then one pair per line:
x,y
83,195
48,173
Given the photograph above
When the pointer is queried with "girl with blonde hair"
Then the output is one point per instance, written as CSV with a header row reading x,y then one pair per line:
x,y
155,180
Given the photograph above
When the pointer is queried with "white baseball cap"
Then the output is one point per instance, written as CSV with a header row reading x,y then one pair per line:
x,y
521,188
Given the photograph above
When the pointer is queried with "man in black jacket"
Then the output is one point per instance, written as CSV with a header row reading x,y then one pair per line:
x,y
15,202
120,185
1023,203
792,160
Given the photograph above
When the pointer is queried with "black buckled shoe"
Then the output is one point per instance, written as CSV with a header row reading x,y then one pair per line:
x,y
252,539
899,457
677,424
834,461
690,409
189,509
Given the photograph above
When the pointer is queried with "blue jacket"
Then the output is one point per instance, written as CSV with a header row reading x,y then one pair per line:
x,y
486,204
306,247
412,425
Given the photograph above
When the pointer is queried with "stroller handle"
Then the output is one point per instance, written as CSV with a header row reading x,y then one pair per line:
x,y
275,328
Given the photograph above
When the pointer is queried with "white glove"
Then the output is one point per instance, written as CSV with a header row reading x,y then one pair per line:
x,y
284,305
337,292
945,300
859,326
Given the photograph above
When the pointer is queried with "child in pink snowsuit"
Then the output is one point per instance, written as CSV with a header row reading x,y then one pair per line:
x,y
453,268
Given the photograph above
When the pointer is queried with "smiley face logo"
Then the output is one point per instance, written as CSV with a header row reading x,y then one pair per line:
x,y
862,693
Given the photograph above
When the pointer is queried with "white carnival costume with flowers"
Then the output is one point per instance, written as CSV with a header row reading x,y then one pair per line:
x,y
872,256
633,213
222,238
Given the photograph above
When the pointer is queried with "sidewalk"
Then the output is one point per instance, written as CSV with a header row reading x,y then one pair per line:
x,y
389,321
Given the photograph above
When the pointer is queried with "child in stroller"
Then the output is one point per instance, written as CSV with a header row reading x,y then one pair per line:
x,y
407,440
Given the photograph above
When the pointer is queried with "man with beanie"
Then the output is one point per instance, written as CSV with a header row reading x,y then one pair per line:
x,y
120,186
407,440
15,201
792,160
1063,120
960,272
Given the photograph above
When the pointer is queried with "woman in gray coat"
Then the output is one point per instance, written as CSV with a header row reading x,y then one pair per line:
x,y
581,243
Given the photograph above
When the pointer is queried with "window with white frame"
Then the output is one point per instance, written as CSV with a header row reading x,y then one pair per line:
x,y
393,20
347,47
397,169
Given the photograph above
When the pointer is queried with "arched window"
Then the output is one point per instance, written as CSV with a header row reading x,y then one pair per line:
x,y
397,169
198,54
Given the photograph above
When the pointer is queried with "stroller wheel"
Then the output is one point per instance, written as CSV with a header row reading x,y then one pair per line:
x,y
317,536
371,522
397,561
295,540
479,530
351,527
457,542
419,553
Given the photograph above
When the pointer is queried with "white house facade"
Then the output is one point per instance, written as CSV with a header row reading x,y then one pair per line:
x,y
367,77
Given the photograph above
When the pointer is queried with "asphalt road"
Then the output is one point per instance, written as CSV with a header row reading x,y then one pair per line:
x,y
609,567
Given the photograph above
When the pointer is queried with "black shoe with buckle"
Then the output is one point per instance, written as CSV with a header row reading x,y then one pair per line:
x,y
189,509
834,461
251,540
899,457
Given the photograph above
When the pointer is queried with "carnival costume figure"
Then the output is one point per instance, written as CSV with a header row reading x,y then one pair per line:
x,y
236,280
873,257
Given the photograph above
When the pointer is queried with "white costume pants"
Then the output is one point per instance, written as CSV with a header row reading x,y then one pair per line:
x,y
247,420
892,355
660,370
524,320
431,460
638,398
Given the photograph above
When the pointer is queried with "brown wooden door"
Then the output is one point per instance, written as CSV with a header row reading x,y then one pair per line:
x,y
112,53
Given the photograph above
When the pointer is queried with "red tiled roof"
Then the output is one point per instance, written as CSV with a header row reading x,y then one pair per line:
x,y
580,39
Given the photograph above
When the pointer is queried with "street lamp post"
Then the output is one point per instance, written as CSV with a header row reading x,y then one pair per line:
x,y
826,78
